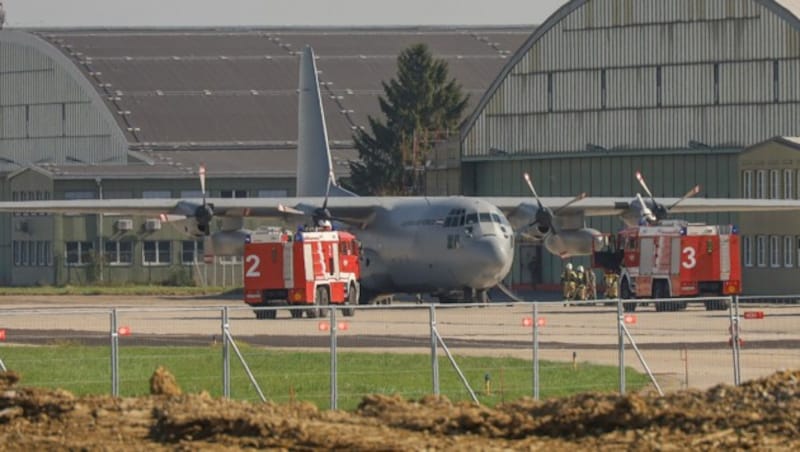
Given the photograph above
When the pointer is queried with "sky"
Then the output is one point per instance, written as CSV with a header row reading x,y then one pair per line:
x,y
201,13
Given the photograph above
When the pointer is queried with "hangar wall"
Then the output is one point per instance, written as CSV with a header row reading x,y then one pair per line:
x,y
644,74
674,88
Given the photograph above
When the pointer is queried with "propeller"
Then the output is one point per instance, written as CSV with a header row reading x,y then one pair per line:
x,y
321,214
204,212
544,216
658,211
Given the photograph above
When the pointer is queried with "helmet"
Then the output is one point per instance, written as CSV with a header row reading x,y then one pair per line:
x,y
580,268
568,266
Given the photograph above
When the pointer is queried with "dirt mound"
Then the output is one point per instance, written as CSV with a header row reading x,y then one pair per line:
x,y
761,414
162,382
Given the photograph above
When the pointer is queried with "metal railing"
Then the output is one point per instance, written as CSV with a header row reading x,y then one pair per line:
x,y
537,333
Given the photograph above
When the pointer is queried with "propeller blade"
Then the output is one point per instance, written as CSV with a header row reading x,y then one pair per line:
x,y
646,212
289,210
202,172
572,201
533,190
695,190
640,178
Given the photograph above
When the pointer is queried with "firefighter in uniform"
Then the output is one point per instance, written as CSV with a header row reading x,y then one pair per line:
x,y
591,285
611,280
568,282
580,282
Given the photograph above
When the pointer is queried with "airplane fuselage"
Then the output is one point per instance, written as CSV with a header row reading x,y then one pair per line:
x,y
436,246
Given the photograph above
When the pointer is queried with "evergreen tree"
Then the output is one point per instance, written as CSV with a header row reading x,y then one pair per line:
x,y
418,104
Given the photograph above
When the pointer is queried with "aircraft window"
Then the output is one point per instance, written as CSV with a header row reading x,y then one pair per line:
x,y
461,220
486,218
496,218
448,222
472,218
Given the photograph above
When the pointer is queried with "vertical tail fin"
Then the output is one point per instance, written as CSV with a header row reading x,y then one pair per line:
x,y
314,163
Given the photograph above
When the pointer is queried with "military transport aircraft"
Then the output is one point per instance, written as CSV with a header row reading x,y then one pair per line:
x,y
436,245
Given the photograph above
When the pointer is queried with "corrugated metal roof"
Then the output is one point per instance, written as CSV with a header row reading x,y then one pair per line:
x,y
239,86
220,163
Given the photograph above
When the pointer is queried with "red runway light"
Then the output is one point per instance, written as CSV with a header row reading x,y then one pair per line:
x,y
541,321
750,315
343,326
630,319
124,331
324,326
2,335
527,322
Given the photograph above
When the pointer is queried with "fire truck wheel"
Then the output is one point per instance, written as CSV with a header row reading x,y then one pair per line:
x,y
296,313
352,300
717,305
323,300
312,313
266,314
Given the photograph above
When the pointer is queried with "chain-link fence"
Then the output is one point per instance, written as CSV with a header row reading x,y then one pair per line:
x,y
486,353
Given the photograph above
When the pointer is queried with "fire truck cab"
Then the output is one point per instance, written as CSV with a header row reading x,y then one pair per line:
x,y
674,259
314,267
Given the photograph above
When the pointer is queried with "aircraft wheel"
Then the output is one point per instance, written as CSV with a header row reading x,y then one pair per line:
x,y
717,305
352,300
626,294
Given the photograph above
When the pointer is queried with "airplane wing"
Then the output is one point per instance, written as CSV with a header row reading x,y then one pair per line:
x,y
611,206
352,210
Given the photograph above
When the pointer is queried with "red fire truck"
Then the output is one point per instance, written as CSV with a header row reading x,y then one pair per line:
x,y
309,267
674,259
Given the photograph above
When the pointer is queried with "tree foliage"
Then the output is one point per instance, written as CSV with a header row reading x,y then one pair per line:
x,y
419,105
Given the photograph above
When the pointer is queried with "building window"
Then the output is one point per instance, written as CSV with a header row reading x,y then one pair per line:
x,y
156,194
747,184
747,251
191,251
157,252
761,250
191,194
761,184
233,194
788,186
272,194
550,92
788,251
79,253
774,184
716,83
17,253
658,86
603,89
775,82
68,195
119,252
774,251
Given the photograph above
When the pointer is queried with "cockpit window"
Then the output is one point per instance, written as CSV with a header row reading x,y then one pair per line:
x,y
472,218
496,218
485,218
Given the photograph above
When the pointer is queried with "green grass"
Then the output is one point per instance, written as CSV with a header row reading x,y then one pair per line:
x,y
288,375
118,290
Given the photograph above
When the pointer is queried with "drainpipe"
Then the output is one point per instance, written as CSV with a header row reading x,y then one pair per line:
x,y
100,247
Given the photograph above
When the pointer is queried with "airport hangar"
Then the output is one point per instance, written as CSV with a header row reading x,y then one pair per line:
x,y
686,91
133,113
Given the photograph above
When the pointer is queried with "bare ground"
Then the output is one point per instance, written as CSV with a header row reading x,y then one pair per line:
x,y
762,414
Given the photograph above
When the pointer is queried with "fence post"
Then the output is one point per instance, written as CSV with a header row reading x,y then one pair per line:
x,y
434,358
226,356
734,330
535,350
334,370
114,354
621,345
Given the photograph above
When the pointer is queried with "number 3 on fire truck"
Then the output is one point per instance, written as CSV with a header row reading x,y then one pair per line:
x,y
690,259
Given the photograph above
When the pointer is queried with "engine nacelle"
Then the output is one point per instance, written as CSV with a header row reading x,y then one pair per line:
x,y
187,226
226,243
578,242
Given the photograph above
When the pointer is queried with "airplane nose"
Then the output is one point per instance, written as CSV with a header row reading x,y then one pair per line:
x,y
492,256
